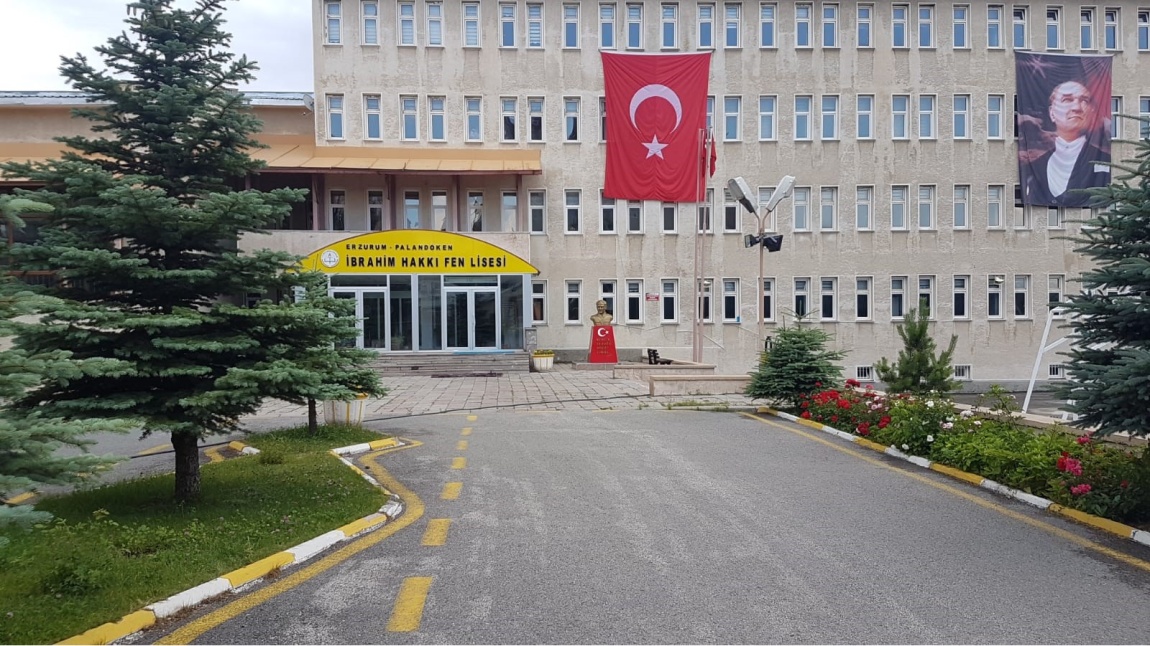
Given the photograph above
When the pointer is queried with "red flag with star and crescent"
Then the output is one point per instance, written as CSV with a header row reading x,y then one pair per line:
x,y
656,108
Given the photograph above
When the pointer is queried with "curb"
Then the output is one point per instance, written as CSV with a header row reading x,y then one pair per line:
x,y
1104,524
235,580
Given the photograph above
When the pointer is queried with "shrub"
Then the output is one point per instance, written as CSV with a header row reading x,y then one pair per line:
x,y
797,364
915,423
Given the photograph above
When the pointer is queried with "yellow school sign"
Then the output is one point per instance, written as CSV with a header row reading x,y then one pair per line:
x,y
415,251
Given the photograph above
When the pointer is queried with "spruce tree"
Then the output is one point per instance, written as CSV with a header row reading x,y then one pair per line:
x,y
143,238
918,369
797,364
1109,361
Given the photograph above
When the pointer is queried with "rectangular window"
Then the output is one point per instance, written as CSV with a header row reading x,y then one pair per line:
x,y
1110,29
607,26
507,25
961,307
864,116
898,199
409,112
1115,117
926,207
537,205
994,106
474,118
899,18
710,114
335,116
1056,371
1055,288
900,116
926,26
634,312
926,296
337,210
434,24
474,211
961,207
962,116
509,114
1144,116
994,26
767,14
994,295
570,26
535,118
863,26
706,26
864,373
704,290
634,216
437,118
897,297
1021,297
371,117
926,117
1053,28
607,294
333,31
571,118
864,208
634,26
731,210
574,296
767,108
732,25
471,24
1086,29
994,197
768,301
602,119
375,210
828,297
801,200
539,302
704,223
731,300
439,210
862,298
406,23
732,117
670,25
1018,31
802,296
412,210
370,23
573,212
1053,217
669,313
606,214
802,25
534,25
1021,211
670,217
802,118
830,26
962,372
768,216
830,118
828,209
1143,31
961,27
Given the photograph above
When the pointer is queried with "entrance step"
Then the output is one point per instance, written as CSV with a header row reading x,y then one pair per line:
x,y
452,364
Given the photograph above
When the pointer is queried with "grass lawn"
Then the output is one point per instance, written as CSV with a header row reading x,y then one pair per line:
x,y
111,551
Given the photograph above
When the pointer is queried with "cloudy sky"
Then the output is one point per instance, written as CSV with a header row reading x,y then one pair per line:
x,y
274,33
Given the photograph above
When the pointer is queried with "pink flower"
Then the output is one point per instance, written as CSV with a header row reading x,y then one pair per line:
x,y
1080,490
1083,439
1069,464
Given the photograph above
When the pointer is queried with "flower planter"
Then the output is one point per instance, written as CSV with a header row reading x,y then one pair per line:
x,y
345,413
543,363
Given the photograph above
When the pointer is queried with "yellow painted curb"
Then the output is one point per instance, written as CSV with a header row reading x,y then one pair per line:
x,y
1114,527
237,446
110,632
386,443
260,568
19,498
806,422
363,524
874,446
955,473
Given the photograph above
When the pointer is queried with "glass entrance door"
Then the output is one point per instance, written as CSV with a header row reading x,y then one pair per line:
x,y
471,318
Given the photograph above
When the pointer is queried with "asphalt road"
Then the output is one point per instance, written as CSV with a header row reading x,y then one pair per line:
x,y
660,526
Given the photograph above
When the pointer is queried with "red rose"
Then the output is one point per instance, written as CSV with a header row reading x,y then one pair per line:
x,y
806,414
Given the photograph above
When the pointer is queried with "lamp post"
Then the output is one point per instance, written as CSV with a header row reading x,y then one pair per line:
x,y
741,191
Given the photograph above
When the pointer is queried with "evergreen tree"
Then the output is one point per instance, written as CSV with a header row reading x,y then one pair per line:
x,y
143,237
918,369
797,364
1109,362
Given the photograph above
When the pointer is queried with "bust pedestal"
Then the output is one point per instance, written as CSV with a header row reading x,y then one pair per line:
x,y
602,349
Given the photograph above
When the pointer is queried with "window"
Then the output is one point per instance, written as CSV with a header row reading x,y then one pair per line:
x,y
370,23
765,193
337,210
994,27
801,201
574,289
1144,116
994,104
862,298
571,118
802,25
830,117
830,25
864,116
732,116
607,293
962,372
1110,29
1018,31
898,197
767,13
864,373
827,298
1021,211
406,23
506,25
828,207
863,26
439,210
994,195
732,25
607,26
706,27
926,296
571,26
474,211
926,26
634,26
535,118
962,116
1056,371
961,207
410,118
802,294
802,118
573,212
371,121
670,217
705,287
899,15
864,208
1054,289
1115,117
1021,297
1053,217
602,119
730,300
1053,28
704,224
961,307
474,118
634,310
897,297
1086,28
537,210
670,31
670,299
334,26
1143,31
539,302
411,209
900,116
994,295
335,116
768,304
767,107
375,210
435,24
925,207
926,117
634,216
606,214
437,119
471,24
710,114
961,25
509,112
534,25
731,210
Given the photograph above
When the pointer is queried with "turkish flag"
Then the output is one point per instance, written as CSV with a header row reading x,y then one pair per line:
x,y
656,109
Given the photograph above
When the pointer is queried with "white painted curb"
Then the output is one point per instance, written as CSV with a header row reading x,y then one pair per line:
x,y
189,598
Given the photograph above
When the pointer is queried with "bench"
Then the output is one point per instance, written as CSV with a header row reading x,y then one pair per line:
x,y
654,360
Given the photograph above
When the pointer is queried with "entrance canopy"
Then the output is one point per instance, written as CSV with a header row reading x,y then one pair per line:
x,y
415,251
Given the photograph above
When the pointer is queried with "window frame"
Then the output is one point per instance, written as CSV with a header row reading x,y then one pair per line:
x,y
705,25
768,25
961,198
864,303
571,118
924,296
900,27
1021,294
468,21
1112,29
828,298
608,214
572,211
674,217
369,23
508,25
994,117
571,32
730,300
477,114
633,27
801,203
830,19
770,117
402,18
433,114
634,299
903,202
538,302
669,298
669,22
929,203
331,18
608,25
434,20
803,116
994,26
733,25
337,209
1087,26
734,119
801,294
534,39
833,114
336,125
864,26
828,206
537,211
536,117
504,113
925,24
767,300
900,115
635,219
1056,24
803,36
961,117
408,117
994,297
995,206
573,297
864,133
1019,27
960,296
372,117
960,27
927,126
898,298
864,198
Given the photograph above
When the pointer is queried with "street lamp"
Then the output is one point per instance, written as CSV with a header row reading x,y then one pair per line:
x,y
741,191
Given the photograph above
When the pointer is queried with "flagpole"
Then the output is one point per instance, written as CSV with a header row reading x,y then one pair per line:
x,y
700,230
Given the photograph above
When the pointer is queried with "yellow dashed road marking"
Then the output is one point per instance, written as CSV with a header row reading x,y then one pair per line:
x,y
451,491
461,446
466,431
156,449
459,463
436,534
214,454
408,611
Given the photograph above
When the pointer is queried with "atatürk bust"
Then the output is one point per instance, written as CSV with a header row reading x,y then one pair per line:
x,y
601,315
